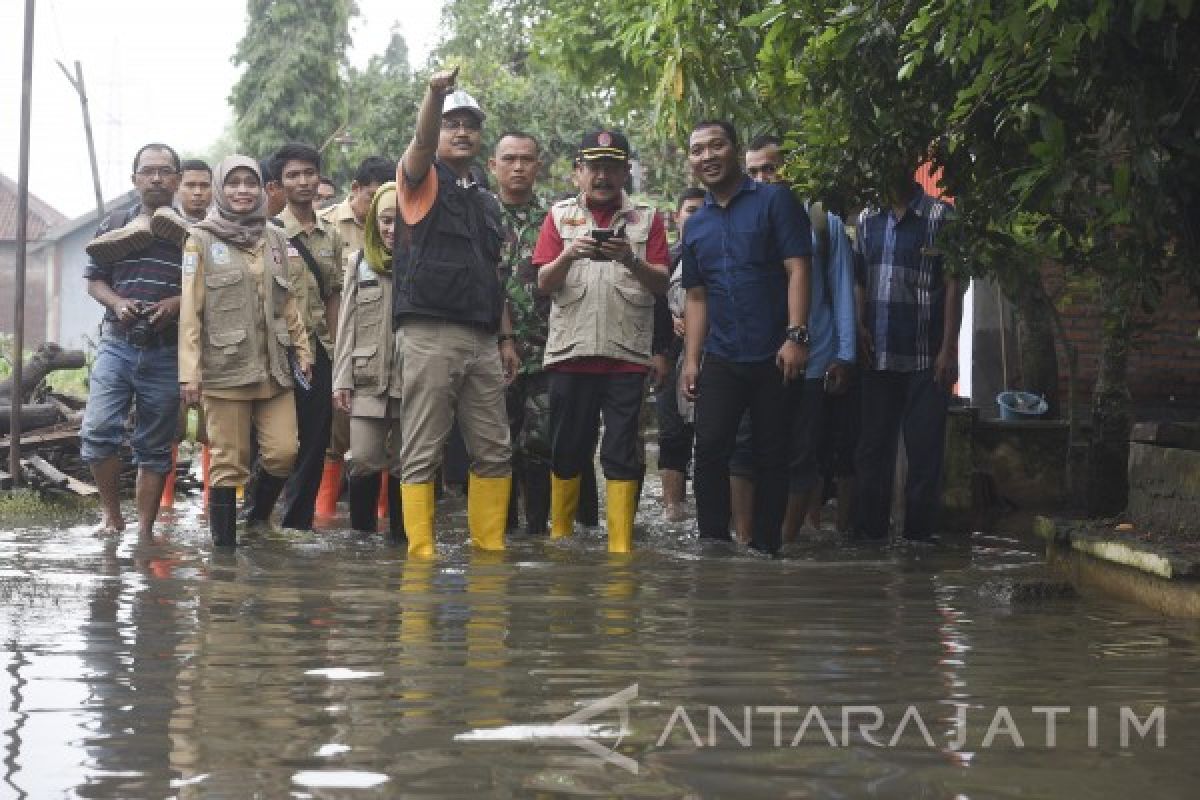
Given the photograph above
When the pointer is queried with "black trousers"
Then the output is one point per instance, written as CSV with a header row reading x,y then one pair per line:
x,y
314,421
895,404
675,434
724,390
577,402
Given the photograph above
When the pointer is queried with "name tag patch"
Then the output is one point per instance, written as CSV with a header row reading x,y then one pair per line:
x,y
190,260
220,253
293,252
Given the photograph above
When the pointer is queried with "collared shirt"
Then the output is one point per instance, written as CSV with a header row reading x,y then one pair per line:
x,y
325,244
832,334
736,253
341,217
900,269
149,275
528,305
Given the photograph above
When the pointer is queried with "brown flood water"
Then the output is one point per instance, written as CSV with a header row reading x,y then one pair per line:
x,y
328,665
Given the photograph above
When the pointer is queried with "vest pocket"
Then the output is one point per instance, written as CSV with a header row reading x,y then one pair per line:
x,y
363,364
224,348
633,308
444,285
563,334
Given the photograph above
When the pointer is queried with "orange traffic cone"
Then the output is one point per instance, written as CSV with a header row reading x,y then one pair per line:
x,y
168,494
331,487
382,509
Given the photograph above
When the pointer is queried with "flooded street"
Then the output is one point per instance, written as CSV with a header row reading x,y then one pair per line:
x,y
328,665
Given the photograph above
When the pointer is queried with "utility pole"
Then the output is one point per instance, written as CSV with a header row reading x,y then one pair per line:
x,y
77,83
18,362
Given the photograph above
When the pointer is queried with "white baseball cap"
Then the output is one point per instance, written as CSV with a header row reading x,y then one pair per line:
x,y
461,100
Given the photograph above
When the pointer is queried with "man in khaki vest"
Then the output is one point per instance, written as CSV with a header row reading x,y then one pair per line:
x,y
347,219
318,290
602,258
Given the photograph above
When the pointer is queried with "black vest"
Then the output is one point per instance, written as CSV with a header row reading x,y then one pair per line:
x,y
445,265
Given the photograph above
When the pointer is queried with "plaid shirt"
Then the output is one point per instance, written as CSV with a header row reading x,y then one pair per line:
x,y
900,269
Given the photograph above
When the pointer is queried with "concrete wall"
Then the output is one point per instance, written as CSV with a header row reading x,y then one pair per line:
x,y
39,288
1164,488
78,314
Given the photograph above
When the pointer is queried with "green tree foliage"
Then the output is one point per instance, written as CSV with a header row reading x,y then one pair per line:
x,y
292,87
383,102
1066,129
491,40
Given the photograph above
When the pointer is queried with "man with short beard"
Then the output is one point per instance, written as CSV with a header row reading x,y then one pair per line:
x,y
602,258
746,271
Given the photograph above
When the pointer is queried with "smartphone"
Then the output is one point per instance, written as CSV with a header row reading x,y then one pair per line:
x,y
602,235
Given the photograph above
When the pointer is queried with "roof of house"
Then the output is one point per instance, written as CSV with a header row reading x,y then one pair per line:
x,y
88,219
41,216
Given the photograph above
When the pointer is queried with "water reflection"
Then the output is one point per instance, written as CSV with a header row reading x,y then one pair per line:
x,y
329,665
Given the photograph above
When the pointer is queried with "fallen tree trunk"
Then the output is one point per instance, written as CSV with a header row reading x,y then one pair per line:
x,y
32,417
48,358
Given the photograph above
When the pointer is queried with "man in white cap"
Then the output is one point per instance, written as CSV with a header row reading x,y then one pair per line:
x,y
450,308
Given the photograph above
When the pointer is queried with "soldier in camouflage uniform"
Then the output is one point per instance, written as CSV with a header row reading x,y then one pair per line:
x,y
515,167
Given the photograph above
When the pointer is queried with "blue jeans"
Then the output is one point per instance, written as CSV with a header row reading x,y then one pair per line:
x,y
147,379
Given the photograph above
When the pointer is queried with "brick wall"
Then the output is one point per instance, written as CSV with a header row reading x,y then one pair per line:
x,y
1164,366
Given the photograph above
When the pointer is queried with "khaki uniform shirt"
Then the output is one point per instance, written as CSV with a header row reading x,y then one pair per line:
x,y
191,327
341,218
325,244
368,361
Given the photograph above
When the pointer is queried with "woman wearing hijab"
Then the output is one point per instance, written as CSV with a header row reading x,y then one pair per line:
x,y
366,370
241,341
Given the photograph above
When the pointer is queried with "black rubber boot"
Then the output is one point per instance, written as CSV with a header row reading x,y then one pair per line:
x,y
266,491
364,503
396,533
536,489
222,516
588,512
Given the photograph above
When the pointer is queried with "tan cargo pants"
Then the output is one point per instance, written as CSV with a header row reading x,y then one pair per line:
x,y
452,370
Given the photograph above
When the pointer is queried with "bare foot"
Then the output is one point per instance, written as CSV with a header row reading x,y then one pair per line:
x,y
110,527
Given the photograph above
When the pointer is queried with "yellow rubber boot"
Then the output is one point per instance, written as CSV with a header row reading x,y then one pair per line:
x,y
487,510
418,504
564,503
622,505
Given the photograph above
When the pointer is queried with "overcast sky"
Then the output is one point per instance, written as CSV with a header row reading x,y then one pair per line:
x,y
153,70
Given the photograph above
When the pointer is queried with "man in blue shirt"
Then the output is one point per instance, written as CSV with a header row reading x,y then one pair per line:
x,y
909,321
832,340
746,272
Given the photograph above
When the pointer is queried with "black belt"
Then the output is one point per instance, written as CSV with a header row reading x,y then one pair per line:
x,y
165,338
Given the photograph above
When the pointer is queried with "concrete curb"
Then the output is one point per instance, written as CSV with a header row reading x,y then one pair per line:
x,y
1107,561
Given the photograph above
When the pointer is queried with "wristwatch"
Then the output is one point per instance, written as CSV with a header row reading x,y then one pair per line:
x,y
798,334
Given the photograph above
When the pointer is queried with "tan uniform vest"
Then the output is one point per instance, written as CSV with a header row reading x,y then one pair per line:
x,y
240,321
601,309
374,367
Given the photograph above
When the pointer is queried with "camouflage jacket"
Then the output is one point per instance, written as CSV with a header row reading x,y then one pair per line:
x,y
530,308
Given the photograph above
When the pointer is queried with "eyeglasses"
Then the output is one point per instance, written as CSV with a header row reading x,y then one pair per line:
x,y
462,123
157,172
766,169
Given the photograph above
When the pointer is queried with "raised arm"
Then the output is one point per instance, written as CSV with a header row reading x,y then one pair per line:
x,y
422,150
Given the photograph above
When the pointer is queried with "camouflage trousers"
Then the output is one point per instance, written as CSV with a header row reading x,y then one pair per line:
x,y
528,404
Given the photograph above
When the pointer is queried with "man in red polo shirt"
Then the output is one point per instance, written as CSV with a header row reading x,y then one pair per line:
x,y
602,258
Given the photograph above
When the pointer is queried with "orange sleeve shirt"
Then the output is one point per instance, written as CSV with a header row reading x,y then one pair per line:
x,y
415,202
